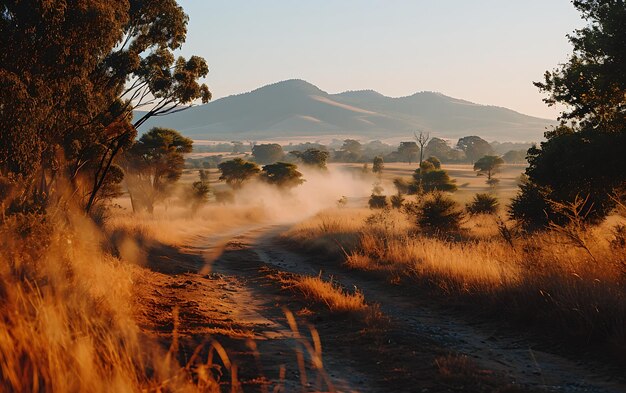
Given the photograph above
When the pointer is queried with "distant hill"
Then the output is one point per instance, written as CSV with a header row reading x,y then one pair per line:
x,y
296,108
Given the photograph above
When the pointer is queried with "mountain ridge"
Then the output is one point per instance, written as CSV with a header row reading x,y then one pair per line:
x,y
297,108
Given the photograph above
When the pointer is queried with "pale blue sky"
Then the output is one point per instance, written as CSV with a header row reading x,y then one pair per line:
x,y
485,51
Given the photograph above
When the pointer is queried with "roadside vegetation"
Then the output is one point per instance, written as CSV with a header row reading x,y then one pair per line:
x,y
566,282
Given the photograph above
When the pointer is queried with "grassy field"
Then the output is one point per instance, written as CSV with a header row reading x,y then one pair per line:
x,y
546,280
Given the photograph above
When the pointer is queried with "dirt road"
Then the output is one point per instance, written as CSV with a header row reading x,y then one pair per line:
x,y
229,288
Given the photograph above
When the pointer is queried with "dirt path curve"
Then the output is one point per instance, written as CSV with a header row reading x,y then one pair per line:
x,y
514,358
224,287
240,309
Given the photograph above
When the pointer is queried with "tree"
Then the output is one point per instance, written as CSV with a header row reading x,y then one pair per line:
x,y
282,174
439,148
421,139
200,191
585,158
69,87
515,157
312,157
474,147
153,164
408,151
378,164
351,150
236,171
268,153
428,179
488,165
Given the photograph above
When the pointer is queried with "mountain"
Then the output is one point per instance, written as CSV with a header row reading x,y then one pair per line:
x,y
296,108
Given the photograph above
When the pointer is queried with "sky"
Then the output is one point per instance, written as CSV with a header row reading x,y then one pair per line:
x,y
485,51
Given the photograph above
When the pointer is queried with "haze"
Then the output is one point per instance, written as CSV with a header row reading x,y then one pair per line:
x,y
485,51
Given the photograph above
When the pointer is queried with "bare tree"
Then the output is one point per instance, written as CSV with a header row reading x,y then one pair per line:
x,y
421,139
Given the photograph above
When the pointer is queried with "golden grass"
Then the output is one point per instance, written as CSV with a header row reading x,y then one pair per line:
x,y
331,294
67,323
544,278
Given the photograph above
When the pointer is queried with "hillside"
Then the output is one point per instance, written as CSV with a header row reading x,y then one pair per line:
x,y
296,108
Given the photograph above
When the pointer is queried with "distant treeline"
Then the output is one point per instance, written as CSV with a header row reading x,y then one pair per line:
x,y
466,150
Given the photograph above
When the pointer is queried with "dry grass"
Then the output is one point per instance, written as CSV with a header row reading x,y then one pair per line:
x,y
545,278
67,322
336,298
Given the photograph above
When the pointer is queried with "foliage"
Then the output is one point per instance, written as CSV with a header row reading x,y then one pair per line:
x,y
586,158
200,192
407,151
435,161
203,175
154,164
483,204
439,148
282,174
488,165
351,151
267,153
378,165
439,213
397,200
570,164
529,206
312,157
515,157
236,171
65,91
592,82
474,147
377,199
428,179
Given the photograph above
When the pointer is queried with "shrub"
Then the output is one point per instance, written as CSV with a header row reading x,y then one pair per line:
x,y
377,201
483,204
435,161
397,201
439,213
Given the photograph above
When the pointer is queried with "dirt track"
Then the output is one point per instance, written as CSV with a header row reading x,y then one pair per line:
x,y
228,288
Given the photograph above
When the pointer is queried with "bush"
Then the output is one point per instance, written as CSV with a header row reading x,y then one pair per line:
x,y
378,201
397,201
483,204
435,161
439,213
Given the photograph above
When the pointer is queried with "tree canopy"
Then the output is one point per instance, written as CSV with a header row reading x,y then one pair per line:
x,y
408,151
153,164
267,153
488,165
428,179
282,174
312,157
69,87
474,147
585,158
236,171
